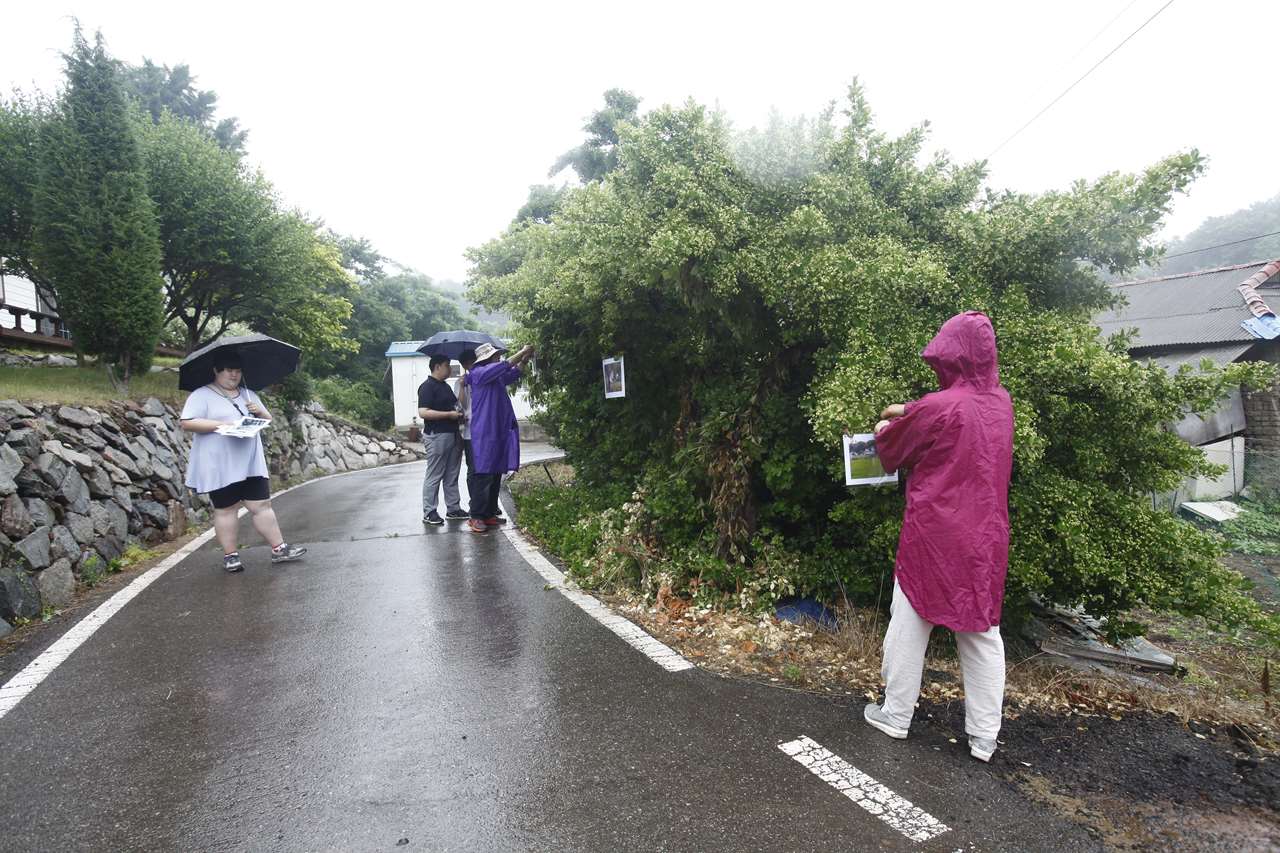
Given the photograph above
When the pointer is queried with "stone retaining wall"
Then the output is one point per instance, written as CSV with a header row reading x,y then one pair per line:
x,y
80,485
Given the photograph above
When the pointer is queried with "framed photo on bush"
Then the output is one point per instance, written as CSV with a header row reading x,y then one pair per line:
x,y
615,377
861,464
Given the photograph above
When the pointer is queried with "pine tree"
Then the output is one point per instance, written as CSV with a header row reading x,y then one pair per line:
x,y
95,226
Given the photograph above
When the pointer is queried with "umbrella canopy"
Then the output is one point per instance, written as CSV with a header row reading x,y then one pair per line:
x,y
452,343
265,361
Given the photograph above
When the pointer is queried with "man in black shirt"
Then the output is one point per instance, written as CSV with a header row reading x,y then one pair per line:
x,y
440,413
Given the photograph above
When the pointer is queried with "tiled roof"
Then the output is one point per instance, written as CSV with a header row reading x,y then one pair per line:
x,y
1193,308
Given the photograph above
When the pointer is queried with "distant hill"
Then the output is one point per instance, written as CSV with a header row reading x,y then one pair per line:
x,y
1261,218
494,322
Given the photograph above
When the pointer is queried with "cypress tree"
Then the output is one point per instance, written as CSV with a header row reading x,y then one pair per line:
x,y
95,225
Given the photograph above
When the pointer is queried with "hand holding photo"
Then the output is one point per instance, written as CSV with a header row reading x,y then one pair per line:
x,y
615,378
861,465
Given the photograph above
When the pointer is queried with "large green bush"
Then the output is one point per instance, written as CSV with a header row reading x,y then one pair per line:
x,y
772,288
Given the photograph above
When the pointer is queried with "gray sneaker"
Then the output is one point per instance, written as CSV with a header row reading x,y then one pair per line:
x,y
231,562
286,552
981,748
878,719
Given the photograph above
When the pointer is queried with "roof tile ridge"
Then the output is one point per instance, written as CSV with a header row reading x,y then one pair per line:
x,y
1194,273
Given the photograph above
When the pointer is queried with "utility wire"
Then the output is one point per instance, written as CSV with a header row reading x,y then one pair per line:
x,y
1222,245
1035,96
1079,80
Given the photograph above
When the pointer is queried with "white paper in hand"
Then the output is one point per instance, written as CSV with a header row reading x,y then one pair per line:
x,y
246,427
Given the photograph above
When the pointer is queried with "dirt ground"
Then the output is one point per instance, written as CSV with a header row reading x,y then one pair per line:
x,y
1263,571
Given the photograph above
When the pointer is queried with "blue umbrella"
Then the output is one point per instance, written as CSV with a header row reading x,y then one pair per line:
x,y
452,343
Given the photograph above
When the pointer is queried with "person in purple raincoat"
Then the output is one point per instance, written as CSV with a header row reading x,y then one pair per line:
x,y
953,553
495,435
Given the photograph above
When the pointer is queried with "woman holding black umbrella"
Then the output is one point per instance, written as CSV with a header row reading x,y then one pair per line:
x,y
231,470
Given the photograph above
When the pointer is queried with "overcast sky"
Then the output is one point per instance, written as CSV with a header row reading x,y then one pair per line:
x,y
421,126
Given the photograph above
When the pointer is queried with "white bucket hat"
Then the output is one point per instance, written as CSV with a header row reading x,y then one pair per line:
x,y
486,351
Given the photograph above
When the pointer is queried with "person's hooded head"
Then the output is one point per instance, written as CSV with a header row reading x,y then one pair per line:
x,y
964,352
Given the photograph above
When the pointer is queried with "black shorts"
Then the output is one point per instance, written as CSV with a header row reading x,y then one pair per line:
x,y
248,489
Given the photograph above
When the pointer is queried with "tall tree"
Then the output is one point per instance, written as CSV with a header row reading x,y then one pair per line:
x,y
359,257
95,224
218,227
309,303
21,121
160,89
598,155
230,255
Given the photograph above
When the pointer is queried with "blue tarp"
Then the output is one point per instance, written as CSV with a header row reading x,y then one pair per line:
x,y
801,610
1266,327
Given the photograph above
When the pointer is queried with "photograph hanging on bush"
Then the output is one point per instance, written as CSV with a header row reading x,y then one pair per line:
x,y
615,378
861,464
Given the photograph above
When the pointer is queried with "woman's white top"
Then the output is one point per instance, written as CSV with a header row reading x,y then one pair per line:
x,y
220,460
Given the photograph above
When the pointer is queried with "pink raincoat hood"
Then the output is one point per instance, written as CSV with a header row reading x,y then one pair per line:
x,y
964,352
956,447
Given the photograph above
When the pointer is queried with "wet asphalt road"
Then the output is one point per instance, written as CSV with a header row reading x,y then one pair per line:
x,y
403,683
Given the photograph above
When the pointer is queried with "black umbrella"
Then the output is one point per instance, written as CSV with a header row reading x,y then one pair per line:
x,y
452,343
265,361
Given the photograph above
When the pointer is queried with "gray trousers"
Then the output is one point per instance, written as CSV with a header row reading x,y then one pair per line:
x,y
444,460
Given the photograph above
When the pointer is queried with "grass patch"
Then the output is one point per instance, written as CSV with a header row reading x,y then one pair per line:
x,y
1256,530
87,386
559,516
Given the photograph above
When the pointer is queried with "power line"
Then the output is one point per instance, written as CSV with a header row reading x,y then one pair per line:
x,y
1079,80
1222,245
1035,96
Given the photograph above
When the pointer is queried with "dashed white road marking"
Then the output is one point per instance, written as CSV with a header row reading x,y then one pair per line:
x,y
29,677
634,636
900,814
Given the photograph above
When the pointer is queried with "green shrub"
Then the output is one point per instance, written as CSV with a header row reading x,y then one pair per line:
x,y
567,520
363,402
297,391
761,310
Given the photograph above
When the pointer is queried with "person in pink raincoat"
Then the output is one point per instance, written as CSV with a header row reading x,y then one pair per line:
x,y
956,447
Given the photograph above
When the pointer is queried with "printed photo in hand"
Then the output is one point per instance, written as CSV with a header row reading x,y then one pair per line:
x,y
861,464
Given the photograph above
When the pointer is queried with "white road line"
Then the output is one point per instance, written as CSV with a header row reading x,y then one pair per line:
x,y
900,814
630,633
17,688
29,677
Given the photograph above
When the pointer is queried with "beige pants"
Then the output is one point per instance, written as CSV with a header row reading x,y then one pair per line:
x,y
981,663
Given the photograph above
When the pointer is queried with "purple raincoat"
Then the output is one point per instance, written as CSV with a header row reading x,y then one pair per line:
x,y
957,444
495,436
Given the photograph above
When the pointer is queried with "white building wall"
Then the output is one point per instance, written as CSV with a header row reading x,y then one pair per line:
x,y
408,372
19,293
1229,452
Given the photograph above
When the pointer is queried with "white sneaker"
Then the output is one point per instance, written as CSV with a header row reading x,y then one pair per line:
x,y
878,719
981,748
